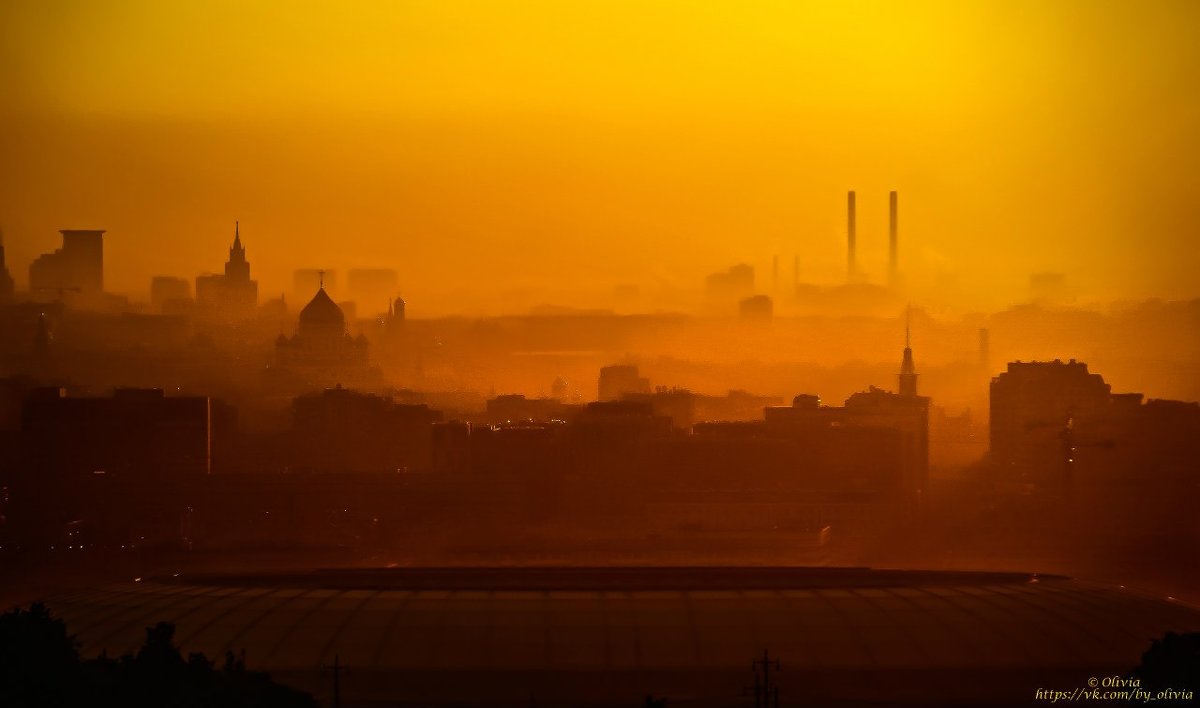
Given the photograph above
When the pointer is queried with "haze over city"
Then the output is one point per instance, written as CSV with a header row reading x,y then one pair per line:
x,y
502,155
536,354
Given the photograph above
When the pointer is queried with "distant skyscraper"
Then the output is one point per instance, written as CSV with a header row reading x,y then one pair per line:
x,y
6,281
1034,405
369,287
1048,288
77,267
733,284
237,268
306,281
394,346
168,289
138,435
880,431
620,380
339,430
232,295
908,369
756,307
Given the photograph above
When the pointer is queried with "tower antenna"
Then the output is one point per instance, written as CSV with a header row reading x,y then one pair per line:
x,y
908,326
908,370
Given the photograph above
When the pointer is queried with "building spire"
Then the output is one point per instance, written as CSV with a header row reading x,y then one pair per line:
x,y
908,369
320,279
237,268
908,327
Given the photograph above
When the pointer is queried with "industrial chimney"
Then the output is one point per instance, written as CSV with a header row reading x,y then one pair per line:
x,y
893,239
851,269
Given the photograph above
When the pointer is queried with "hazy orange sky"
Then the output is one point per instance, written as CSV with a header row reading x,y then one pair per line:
x,y
502,153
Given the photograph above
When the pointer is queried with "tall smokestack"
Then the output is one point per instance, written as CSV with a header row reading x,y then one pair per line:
x,y
851,269
893,239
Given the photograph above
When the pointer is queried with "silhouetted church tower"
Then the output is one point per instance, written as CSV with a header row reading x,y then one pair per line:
x,y
908,370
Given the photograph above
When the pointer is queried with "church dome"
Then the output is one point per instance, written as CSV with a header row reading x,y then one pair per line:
x,y
322,315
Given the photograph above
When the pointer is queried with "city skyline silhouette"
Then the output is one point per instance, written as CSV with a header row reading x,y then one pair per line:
x,y
530,353
667,142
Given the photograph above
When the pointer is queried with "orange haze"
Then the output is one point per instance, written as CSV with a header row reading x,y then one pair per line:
x,y
505,154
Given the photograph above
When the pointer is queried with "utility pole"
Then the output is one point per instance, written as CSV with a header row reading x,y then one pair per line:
x,y
755,690
765,695
337,680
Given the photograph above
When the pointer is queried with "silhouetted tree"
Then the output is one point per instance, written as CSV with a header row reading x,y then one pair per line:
x,y
39,661
40,668
1171,662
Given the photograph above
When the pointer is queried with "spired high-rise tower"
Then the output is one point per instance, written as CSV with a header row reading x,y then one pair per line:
x,y
237,268
76,267
232,296
908,369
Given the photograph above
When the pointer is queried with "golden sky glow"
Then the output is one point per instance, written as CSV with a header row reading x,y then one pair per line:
x,y
537,151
